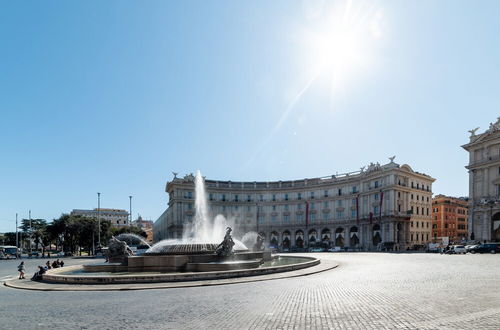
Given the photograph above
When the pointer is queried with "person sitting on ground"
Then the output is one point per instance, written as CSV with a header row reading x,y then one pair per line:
x,y
61,263
48,264
39,274
21,270
54,264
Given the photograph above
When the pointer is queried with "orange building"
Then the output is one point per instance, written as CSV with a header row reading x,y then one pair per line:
x,y
449,218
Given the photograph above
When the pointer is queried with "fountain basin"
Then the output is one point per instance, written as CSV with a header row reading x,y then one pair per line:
x,y
79,275
175,263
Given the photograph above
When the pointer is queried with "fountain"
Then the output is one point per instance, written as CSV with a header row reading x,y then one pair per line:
x,y
206,251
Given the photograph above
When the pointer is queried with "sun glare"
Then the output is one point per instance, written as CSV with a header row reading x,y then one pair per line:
x,y
341,44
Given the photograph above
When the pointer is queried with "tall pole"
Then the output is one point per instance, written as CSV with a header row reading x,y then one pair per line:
x,y
99,219
17,237
130,221
30,229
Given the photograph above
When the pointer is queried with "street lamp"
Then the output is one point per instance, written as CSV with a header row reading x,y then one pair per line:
x,y
130,219
99,219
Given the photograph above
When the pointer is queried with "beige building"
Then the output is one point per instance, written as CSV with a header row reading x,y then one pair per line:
x,y
380,206
146,226
484,183
117,217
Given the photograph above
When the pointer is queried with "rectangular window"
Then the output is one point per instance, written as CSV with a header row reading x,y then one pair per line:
x,y
411,196
376,197
399,207
325,193
417,209
353,202
354,190
299,206
376,184
340,192
286,207
375,210
273,218
325,205
312,216
299,218
249,198
286,197
261,198
274,198
261,219
299,196
339,202
223,197
286,218
325,216
274,207
311,206
211,197
236,198
353,214
312,194
190,194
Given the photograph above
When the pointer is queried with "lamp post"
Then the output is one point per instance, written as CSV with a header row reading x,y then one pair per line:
x,y
99,219
130,220
17,238
30,230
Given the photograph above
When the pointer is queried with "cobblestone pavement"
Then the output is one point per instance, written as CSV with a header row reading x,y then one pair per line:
x,y
367,291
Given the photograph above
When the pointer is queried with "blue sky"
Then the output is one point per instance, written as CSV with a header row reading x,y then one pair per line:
x,y
113,96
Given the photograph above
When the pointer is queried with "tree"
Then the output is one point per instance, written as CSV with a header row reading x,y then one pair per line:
x,y
36,231
128,229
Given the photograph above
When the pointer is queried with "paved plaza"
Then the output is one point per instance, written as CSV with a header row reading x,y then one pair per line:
x,y
367,291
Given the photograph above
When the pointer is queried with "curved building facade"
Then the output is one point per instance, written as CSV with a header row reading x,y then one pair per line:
x,y
379,207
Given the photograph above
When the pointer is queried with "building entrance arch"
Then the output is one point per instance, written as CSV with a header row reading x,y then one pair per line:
x,y
339,237
495,230
353,236
377,238
299,239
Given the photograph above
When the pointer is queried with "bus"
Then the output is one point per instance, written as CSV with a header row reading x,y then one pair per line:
x,y
8,252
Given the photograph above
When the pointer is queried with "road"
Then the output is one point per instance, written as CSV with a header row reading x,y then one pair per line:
x,y
367,291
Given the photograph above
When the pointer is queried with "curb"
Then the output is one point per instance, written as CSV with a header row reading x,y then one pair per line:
x,y
42,286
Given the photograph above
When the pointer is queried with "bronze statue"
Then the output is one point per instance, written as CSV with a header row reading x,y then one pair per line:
x,y
225,248
258,244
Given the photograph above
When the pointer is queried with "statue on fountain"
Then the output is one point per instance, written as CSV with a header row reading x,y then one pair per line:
x,y
225,248
258,243
118,250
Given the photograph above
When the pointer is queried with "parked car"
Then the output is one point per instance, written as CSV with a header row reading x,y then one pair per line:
x,y
486,248
470,246
335,249
459,249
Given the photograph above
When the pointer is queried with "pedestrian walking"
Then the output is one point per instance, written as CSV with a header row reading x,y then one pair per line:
x,y
21,269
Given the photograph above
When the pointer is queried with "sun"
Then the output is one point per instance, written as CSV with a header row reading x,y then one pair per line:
x,y
340,43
